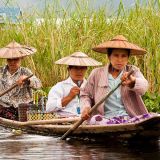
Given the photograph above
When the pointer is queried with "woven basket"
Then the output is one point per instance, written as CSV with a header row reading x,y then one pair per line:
x,y
39,115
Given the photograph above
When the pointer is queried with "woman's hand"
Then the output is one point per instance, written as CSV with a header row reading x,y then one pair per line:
x,y
128,81
21,81
85,113
74,91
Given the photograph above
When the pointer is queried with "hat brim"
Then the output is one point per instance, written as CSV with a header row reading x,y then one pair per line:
x,y
15,50
134,49
74,61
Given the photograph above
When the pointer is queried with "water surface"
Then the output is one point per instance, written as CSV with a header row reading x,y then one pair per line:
x,y
27,147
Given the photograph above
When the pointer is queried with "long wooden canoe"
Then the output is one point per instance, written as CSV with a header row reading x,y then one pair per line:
x,y
149,128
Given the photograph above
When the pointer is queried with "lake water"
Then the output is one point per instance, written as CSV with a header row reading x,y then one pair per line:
x,y
33,147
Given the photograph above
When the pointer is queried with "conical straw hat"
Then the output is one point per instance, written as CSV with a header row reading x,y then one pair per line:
x,y
15,50
119,42
78,59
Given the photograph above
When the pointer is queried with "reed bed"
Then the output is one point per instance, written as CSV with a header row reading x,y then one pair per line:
x,y
79,28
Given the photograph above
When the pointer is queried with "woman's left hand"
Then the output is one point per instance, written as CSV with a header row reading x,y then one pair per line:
x,y
128,81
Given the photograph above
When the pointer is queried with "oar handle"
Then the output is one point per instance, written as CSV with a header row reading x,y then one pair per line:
x,y
14,85
77,124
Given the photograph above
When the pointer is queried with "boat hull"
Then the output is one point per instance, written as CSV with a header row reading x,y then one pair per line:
x,y
149,129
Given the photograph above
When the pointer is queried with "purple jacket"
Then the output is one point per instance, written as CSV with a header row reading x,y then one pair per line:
x,y
97,87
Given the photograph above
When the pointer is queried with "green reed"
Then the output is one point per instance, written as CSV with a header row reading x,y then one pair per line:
x,y
81,28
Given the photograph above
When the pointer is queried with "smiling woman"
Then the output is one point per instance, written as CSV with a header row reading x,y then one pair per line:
x,y
64,96
126,100
77,73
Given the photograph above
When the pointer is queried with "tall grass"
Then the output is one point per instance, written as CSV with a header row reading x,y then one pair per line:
x,y
81,28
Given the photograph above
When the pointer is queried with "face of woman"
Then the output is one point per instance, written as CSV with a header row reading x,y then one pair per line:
x,y
119,58
77,73
14,64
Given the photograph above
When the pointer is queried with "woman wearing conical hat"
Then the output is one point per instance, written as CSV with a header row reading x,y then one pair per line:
x,y
13,73
64,96
126,100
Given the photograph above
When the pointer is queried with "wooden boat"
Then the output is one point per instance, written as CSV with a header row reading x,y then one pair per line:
x,y
148,128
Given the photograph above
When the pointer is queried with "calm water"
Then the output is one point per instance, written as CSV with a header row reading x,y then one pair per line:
x,y
35,147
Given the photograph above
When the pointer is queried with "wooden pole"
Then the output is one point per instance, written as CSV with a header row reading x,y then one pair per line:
x,y
38,122
14,85
77,124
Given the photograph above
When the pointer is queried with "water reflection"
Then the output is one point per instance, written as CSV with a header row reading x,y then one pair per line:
x,y
42,147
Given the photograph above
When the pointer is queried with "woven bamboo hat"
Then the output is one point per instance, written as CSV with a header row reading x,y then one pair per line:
x,y
16,50
78,59
119,42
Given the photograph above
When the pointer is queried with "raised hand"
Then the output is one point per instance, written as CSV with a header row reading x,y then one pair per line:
x,y
128,81
74,91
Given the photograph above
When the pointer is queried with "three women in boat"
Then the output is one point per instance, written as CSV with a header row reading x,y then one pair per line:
x,y
12,73
63,98
126,101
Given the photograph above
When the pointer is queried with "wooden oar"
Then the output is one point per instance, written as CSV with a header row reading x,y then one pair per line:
x,y
77,124
38,122
13,86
